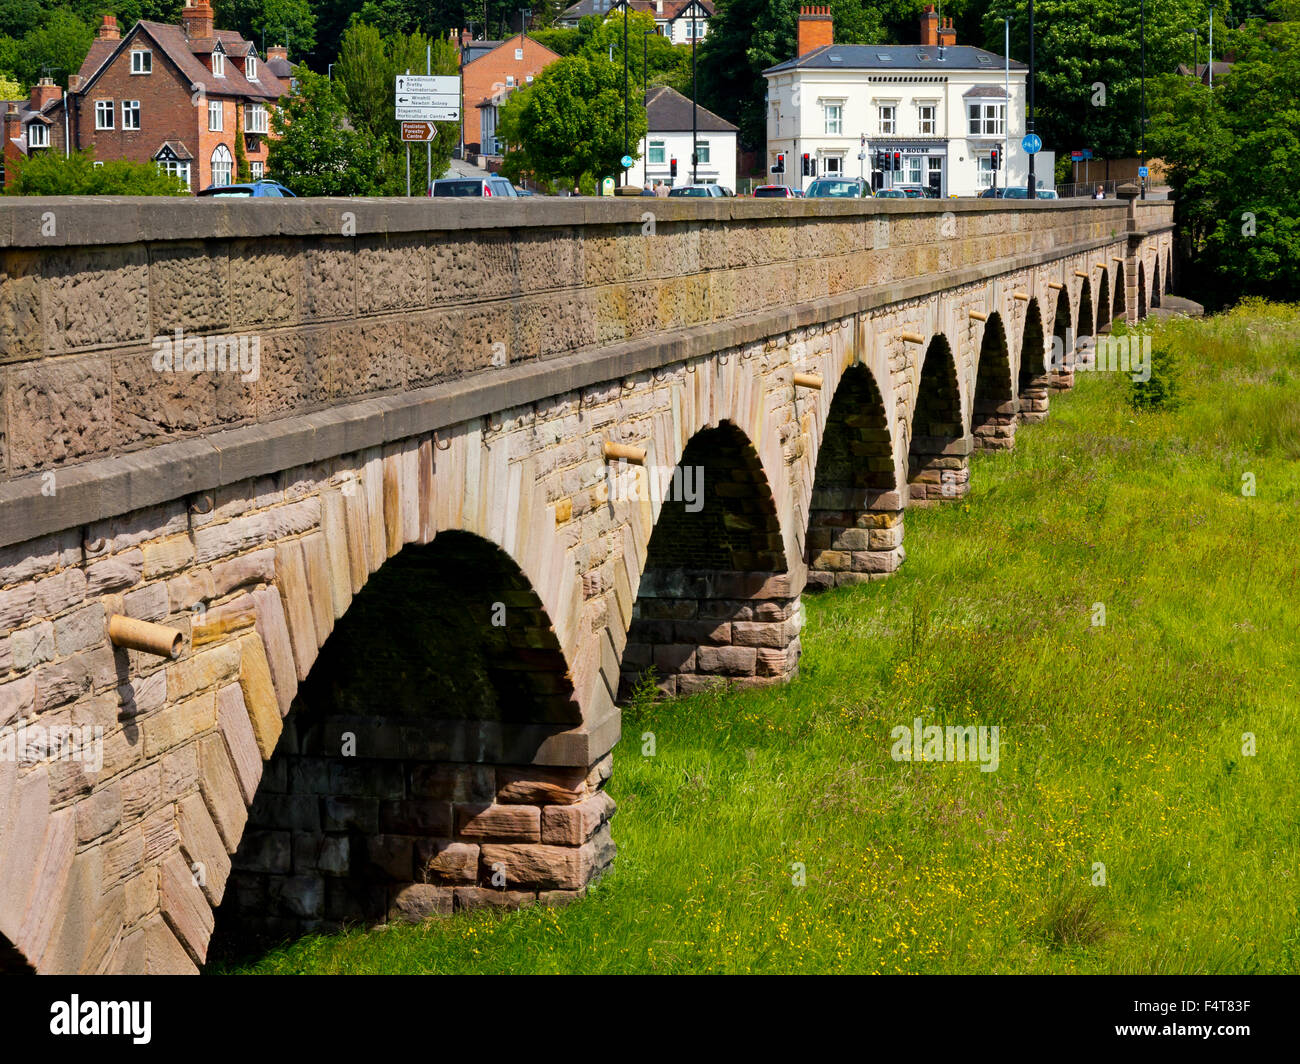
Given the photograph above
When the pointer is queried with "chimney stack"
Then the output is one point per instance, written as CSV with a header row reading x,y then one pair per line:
x,y
197,20
947,34
108,30
815,29
929,27
44,92
277,51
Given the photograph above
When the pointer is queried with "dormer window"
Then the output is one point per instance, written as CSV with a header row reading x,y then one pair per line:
x,y
250,68
38,135
141,62
218,64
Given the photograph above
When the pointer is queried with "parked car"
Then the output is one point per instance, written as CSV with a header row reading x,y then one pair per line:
x,y
1047,193
839,188
775,192
524,191
704,191
1014,192
890,193
256,189
486,187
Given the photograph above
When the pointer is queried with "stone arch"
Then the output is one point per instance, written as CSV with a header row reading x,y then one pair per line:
x,y
1061,363
406,774
939,449
1141,290
12,961
1103,311
1119,308
855,520
1033,387
716,600
993,410
1155,281
1086,327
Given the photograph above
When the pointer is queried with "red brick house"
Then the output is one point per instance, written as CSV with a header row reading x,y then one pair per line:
x,y
489,78
174,95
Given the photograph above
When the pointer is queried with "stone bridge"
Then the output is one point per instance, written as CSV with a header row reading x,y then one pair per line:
x,y
395,471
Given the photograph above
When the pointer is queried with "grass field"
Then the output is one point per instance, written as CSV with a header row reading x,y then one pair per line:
x,y
1120,744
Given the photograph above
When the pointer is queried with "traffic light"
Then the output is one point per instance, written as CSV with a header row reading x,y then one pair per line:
x,y
898,161
779,168
672,168
996,160
879,160
807,165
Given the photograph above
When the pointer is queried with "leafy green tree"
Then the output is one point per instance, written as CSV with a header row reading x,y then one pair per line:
x,y
50,173
1088,64
748,36
569,122
668,63
272,21
316,151
366,70
56,47
1233,159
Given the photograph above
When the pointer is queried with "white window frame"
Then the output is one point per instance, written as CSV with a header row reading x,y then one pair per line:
x,y
255,118
985,119
177,168
141,61
104,113
218,64
227,164
33,141
257,169
519,54
131,108
510,81
660,147
927,127
984,170
915,169
217,109
833,114
832,165
701,152
250,68
887,119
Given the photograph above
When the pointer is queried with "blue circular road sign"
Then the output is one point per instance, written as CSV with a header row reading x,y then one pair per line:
x,y
627,161
1032,144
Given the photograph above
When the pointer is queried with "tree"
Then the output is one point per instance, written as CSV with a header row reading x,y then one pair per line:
x,y
1233,159
55,47
316,150
745,38
668,63
1088,64
366,70
569,122
50,173
270,21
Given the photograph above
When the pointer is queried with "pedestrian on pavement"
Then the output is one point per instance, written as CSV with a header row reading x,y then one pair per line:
x,y
1101,193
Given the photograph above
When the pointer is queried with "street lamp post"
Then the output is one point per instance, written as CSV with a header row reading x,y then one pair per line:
x,y
1211,66
1029,119
645,65
694,108
1142,106
622,172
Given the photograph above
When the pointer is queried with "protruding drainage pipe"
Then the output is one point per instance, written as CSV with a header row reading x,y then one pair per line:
x,y
1081,273
808,380
624,452
1022,296
912,338
1055,286
978,315
145,636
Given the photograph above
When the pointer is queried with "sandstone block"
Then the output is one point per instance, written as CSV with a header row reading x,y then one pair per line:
x,y
209,864
259,695
541,786
185,908
418,901
522,822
